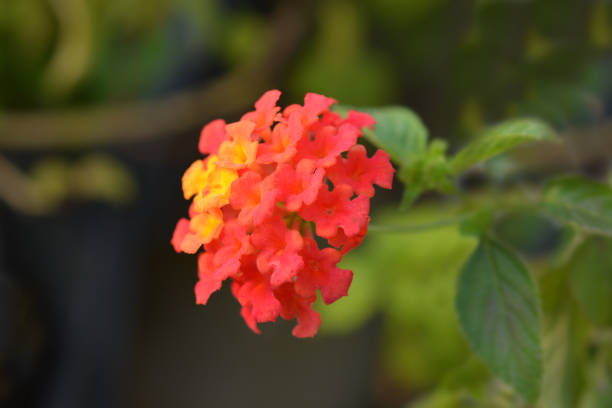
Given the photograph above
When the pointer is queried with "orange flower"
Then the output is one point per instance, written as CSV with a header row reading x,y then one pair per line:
x,y
265,182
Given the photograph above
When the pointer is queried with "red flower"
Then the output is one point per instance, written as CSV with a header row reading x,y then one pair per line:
x,y
181,229
315,105
279,251
360,120
360,172
254,293
281,144
295,306
235,243
212,136
299,185
265,111
320,272
268,180
209,281
255,199
340,240
335,209
324,146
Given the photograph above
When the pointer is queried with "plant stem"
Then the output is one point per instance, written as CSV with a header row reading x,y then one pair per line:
x,y
420,226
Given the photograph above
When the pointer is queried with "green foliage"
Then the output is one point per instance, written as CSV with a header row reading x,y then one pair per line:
x,y
477,223
100,51
591,278
446,399
339,62
95,177
598,396
499,312
399,132
529,231
352,312
424,166
598,393
408,279
496,299
582,202
439,56
499,139
564,341
494,394
470,385
428,172
244,39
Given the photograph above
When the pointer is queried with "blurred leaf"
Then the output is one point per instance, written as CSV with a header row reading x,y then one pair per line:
x,y
498,308
398,276
245,38
599,396
471,117
361,79
529,231
563,104
93,177
599,27
478,223
101,177
498,139
338,61
591,278
564,342
563,353
428,171
580,201
472,375
402,13
537,46
51,178
446,399
352,312
494,394
599,391
411,193
417,273
398,131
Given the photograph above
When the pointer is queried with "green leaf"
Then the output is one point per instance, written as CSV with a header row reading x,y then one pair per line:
x,y
500,138
412,191
530,232
579,201
428,171
599,389
598,396
398,131
563,355
499,312
477,223
591,278
564,341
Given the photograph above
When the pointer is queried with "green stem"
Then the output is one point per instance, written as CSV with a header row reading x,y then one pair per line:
x,y
420,226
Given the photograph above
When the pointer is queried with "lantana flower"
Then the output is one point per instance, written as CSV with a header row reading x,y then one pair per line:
x,y
279,198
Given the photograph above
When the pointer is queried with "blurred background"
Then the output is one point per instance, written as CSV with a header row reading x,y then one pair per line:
x,y
101,103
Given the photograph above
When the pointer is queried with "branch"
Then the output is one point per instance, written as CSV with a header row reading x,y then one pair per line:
x,y
180,112
17,190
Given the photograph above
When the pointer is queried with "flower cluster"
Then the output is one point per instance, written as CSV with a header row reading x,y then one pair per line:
x,y
273,188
